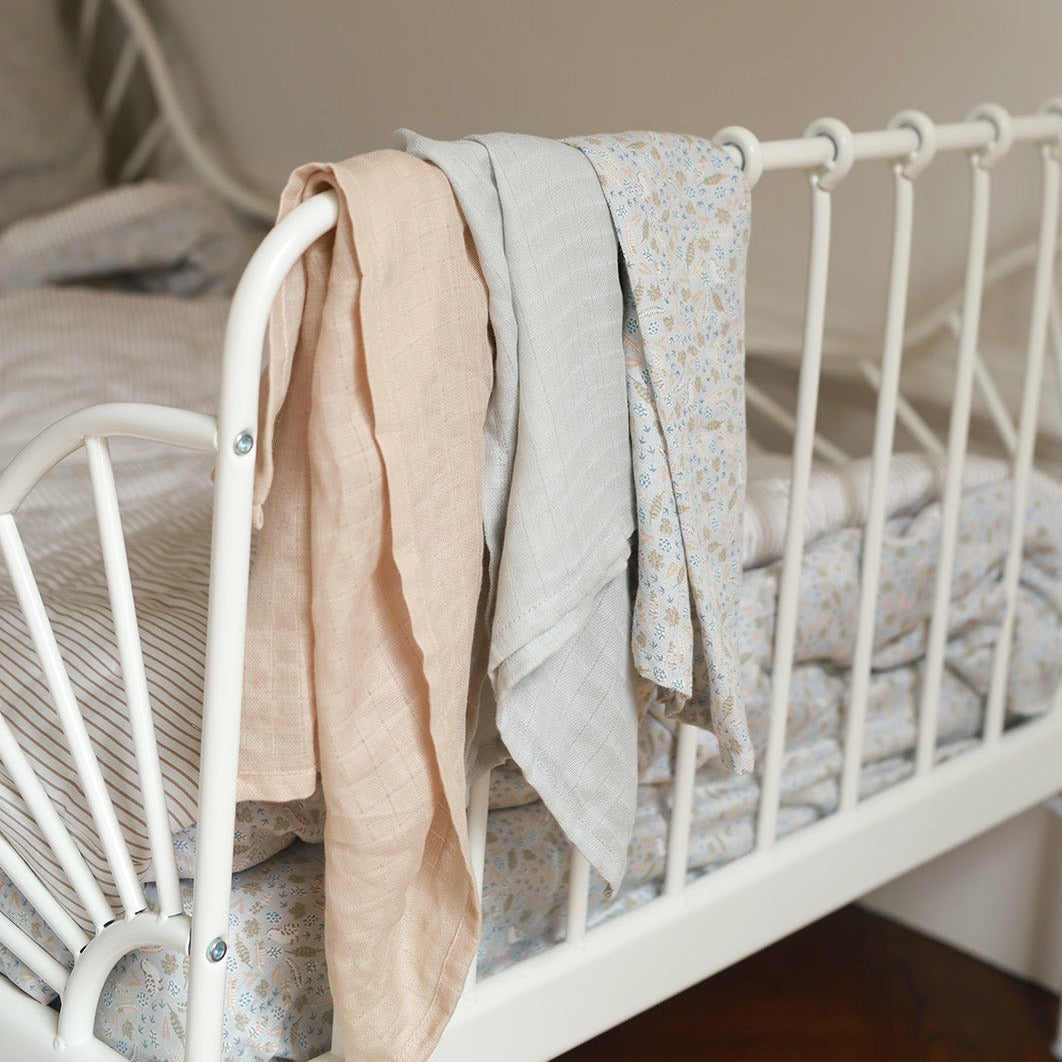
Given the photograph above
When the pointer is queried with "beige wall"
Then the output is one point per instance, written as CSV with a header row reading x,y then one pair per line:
x,y
997,897
289,81
284,82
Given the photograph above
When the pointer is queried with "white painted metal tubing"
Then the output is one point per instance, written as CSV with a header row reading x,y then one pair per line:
x,y
578,897
44,903
32,954
1056,340
82,995
30,1028
478,813
127,632
808,152
957,435
1030,407
227,608
37,800
786,616
884,430
175,427
81,750
678,837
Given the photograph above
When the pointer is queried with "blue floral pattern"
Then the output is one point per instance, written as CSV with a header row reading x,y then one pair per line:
x,y
681,212
277,1003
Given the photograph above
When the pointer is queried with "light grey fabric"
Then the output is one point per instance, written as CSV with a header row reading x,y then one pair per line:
x,y
51,150
558,493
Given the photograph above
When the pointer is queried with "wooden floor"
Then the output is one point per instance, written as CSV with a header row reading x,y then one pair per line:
x,y
853,987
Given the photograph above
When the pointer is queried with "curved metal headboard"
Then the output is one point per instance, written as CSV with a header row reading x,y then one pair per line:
x,y
140,48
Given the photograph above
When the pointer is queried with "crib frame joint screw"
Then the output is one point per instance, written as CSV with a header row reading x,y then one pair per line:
x,y
243,444
217,950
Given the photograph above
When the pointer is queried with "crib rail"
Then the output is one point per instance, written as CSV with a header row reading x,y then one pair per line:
x,y
828,151
231,438
114,932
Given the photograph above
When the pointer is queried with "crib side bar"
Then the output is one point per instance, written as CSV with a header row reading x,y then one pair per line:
x,y
578,897
227,610
25,879
884,434
33,955
809,152
786,616
88,18
140,420
1030,407
134,676
173,118
478,812
957,440
136,162
84,756
678,837
32,791
1055,323
118,83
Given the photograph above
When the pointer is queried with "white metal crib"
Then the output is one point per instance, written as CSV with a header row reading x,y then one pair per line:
x,y
596,978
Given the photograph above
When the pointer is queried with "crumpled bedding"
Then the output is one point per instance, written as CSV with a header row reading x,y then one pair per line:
x,y
274,971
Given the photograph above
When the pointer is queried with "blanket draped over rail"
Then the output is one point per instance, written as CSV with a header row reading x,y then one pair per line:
x,y
681,211
364,591
557,489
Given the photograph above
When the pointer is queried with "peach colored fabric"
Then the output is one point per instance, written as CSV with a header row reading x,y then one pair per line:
x,y
365,585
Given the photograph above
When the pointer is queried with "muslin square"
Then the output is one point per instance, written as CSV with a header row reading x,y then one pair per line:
x,y
681,211
365,586
558,504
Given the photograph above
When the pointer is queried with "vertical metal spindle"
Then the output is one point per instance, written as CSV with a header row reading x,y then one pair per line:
x,y
578,897
73,724
134,677
957,438
1030,408
822,184
1056,340
25,879
678,838
478,813
884,433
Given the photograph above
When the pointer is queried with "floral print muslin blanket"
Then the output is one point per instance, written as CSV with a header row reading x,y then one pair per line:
x,y
681,212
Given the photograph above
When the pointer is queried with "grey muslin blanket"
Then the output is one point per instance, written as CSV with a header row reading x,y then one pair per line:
x,y
558,506
681,211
